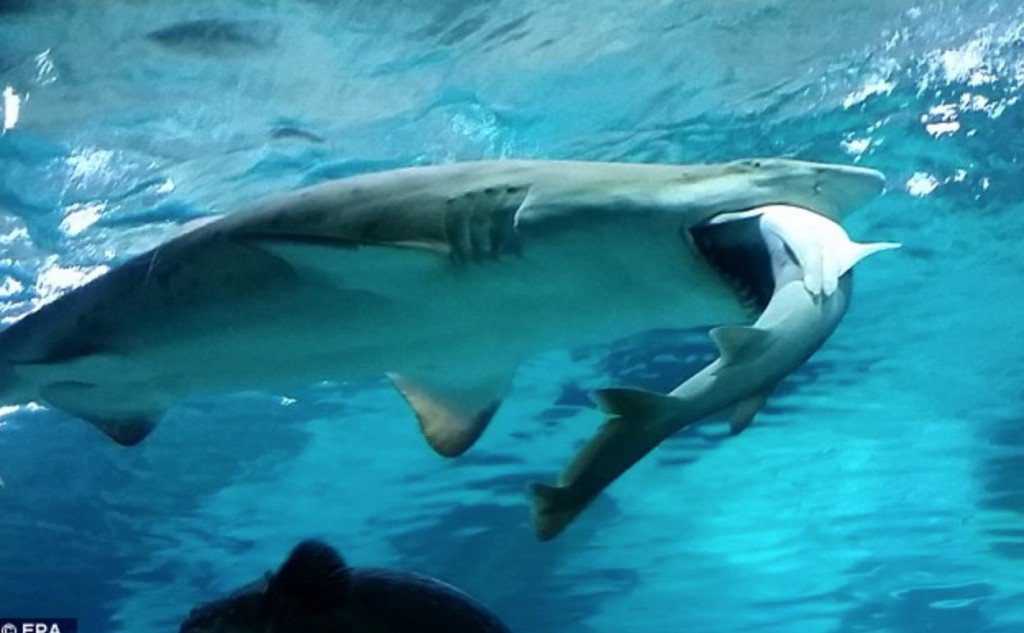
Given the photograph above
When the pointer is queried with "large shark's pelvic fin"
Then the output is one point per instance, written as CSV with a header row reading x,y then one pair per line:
x,y
452,415
103,410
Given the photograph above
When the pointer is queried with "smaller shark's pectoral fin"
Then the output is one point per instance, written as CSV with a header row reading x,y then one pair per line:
x,y
104,410
821,247
744,413
452,415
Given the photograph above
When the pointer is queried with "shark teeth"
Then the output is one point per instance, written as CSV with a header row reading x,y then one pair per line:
x,y
737,252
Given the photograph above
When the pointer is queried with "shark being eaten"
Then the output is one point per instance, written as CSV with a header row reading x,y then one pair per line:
x,y
806,262
445,278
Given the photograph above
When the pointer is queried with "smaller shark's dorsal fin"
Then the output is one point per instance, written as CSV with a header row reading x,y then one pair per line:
x,y
732,340
102,409
636,405
744,413
314,576
452,415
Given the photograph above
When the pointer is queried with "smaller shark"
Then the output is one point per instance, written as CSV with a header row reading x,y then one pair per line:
x,y
810,260
314,591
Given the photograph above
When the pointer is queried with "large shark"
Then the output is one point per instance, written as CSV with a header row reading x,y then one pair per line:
x,y
443,278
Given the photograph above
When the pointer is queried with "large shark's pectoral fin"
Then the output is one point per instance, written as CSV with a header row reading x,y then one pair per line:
x,y
452,415
104,410
345,265
475,225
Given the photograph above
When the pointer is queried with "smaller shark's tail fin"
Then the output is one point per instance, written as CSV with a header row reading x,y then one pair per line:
x,y
642,419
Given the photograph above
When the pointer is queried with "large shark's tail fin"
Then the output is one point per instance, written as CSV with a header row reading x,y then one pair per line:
x,y
641,420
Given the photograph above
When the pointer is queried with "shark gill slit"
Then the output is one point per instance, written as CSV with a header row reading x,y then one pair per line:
x,y
480,225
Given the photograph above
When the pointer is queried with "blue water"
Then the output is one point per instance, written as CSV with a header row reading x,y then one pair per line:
x,y
881,490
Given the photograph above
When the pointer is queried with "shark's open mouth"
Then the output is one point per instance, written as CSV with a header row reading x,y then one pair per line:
x,y
759,250
737,250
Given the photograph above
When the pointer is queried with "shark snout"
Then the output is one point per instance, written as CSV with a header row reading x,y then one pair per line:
x,y
853,186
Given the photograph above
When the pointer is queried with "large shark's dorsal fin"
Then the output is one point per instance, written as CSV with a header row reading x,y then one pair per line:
x,y
732,340
104,410
453,414
314,576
